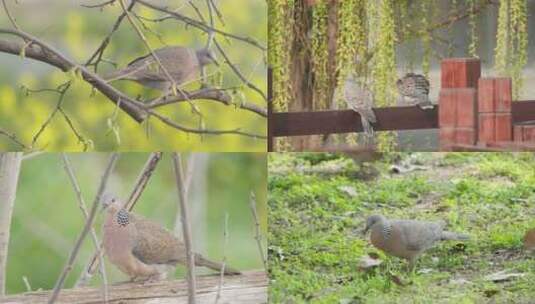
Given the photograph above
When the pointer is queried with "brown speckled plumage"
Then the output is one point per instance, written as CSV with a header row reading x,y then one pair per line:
x,y
407,239
141,248
183,64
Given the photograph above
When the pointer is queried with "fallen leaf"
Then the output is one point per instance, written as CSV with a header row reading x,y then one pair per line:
x,y
425,270
460,281
367,262
349,190
502,276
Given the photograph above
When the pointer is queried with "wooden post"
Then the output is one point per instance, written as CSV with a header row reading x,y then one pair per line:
x,y
458,102
494,110
271,139
524,132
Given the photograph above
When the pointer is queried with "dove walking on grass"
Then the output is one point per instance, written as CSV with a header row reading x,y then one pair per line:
x,y
407,239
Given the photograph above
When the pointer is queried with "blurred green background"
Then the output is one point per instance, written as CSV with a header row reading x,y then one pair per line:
x,y
78,31
47,220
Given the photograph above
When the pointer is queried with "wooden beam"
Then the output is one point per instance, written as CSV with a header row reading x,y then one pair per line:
x,y
250,287
388,119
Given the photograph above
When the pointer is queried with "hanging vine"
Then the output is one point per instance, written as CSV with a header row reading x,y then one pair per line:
x,y
320,54
474,38
280,37
512,41
519,42
426,36
384,69
350,37
350,46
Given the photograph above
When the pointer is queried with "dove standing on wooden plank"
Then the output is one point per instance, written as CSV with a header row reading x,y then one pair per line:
x,y
407,239
142,249
183,64
413,90
360,99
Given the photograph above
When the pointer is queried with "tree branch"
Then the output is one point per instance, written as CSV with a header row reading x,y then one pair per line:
x,y
217,95
87,226
41,51
82,205
9,175
200,25
186,230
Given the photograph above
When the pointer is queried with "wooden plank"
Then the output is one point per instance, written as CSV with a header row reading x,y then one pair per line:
x,y
345,121
250,287
494,147
271,138
388,119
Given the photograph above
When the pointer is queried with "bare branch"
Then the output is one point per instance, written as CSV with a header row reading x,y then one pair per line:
x,y
224,262
217,95
237,71
13,138
87,226
200,25
177,162
82,205
9,175
100,5
258,236
41,51
143,179
97,55
8,13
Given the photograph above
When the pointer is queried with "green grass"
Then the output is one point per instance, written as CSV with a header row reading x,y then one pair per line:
x,y
316,239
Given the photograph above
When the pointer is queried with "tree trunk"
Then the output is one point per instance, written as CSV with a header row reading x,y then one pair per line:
x,y
9,175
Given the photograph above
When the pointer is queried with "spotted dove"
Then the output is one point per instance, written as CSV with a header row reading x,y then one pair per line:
x,y
183,64
142,249
407,239
414,90
359,99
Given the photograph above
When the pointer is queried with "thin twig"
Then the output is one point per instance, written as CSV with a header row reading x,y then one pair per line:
x,y
8,13
82,205
26,283
258,236
104,44
13,138
177,162
200,25
224,261
87,226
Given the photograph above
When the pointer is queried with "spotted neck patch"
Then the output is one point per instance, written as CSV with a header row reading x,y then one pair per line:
x,y
122,217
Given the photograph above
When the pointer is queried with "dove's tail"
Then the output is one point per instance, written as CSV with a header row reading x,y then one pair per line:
x,y
447,235
367,118
425,103
217,266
